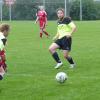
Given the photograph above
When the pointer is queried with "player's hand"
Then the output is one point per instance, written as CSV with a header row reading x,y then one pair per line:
x,y
46,24
54,38
68,36
35,22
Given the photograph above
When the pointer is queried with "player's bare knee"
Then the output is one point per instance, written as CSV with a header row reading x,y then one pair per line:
x,y
51,50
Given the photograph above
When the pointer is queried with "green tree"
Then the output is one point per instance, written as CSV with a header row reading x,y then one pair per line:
x,y
89,9
26,9
75,9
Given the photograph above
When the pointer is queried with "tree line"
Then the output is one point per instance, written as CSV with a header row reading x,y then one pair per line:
x,y
26,9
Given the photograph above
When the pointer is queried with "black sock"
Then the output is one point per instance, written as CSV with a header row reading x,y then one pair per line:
x,y
1,77
70,60
56,57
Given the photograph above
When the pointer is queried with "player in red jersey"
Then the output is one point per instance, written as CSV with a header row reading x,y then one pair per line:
x,y
4,31
42,19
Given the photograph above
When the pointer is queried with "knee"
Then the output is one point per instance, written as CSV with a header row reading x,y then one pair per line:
x,y
50,49
41,30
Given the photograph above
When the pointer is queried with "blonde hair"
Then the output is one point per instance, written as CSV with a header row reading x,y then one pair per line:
x,y
60,9
41,7
4,27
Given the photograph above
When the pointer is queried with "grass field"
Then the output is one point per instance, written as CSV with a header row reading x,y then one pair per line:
x,y
31,73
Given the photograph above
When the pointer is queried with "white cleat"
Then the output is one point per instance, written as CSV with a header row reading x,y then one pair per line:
x,y
58,65
72,66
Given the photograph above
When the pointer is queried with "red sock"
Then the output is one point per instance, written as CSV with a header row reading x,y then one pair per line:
x,y
46,33
40,35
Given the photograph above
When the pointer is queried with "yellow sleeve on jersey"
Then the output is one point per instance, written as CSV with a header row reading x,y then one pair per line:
x,y
72,25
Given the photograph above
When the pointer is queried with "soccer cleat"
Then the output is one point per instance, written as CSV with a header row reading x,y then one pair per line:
x,y
58,65
72,66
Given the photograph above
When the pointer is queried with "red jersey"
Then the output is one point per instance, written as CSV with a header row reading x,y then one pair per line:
x,y
42,15
3,59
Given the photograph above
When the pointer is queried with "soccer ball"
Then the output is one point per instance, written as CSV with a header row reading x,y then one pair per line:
x,y
61,77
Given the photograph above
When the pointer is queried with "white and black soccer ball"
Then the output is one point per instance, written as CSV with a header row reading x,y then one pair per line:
x,y
61,77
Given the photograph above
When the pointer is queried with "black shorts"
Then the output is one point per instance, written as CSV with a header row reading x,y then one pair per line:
x,y
64,43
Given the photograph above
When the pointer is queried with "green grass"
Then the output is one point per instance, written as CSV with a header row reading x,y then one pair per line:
x,y
31,73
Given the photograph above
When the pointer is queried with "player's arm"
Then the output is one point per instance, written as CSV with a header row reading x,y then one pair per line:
x,y
36,20
1,45
73,27
46,20
70,24
2,55
55,37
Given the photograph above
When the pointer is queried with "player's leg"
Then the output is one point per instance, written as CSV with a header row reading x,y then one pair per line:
x,y
67,41
46,33
69,58
52,50
44,29
41,31
2,72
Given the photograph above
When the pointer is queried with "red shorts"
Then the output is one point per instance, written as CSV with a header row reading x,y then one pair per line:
x,y
2,59
42,24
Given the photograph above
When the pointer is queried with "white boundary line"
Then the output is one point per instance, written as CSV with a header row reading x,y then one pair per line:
x,y
25,75
31,75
